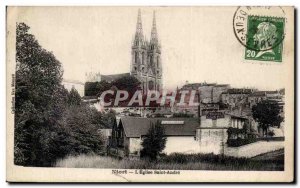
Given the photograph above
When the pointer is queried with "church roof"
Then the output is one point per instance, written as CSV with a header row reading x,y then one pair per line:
x,y
112,77
135,127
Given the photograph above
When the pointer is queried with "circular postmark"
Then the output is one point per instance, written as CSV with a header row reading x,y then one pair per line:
x,y
259,28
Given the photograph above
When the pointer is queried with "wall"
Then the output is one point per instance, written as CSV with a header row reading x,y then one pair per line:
x,y
135,145
181,144
212,140
174,144
219,123
254,149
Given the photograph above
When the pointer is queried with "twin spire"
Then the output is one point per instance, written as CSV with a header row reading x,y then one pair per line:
x,y
139,29
139,25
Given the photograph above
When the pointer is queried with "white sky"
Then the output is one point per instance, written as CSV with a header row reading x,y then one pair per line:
x,y
198,44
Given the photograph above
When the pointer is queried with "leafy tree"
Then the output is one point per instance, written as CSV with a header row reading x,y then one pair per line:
x,y
128,83
40,98
267,114
80,133
108,119
74,97
46,127
102,86
90,89
154,142
96,88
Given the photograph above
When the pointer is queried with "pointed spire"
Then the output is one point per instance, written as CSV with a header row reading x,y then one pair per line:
x,y
154,37
139,26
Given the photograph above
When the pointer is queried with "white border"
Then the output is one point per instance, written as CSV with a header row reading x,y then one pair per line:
x,y
5,3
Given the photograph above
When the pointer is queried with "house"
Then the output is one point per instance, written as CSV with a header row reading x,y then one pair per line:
x,y
128,134
256,97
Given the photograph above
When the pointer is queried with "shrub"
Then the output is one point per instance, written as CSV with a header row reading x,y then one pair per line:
x,y
154,142
271,133
240,141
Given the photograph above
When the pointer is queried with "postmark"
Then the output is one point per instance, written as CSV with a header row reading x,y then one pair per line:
x,y
261,32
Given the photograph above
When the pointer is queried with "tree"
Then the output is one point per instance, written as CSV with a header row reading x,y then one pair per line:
x,y
267,114
96,88
40,99
74,97
79,133
154,142
128,83
90,89
102,86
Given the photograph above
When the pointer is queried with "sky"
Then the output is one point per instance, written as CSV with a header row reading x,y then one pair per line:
x,y
198,44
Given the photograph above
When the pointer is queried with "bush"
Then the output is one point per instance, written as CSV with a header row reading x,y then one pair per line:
x,y
271,133
172,162
240,142
154,142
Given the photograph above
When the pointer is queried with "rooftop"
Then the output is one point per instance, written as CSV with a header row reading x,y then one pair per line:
x,y
112,77
135,127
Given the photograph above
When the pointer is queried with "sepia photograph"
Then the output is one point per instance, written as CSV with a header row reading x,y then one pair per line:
x,y
150,94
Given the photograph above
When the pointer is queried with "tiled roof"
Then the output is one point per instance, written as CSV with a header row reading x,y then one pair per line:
x,y
258,94
112,77
135,127
238,91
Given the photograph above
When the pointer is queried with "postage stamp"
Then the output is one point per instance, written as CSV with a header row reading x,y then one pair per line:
x,y
261,30
264,38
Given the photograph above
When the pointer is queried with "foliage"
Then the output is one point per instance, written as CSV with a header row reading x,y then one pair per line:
x,y
40,98
154,142
176,161
74,97
82,128
238,137
108,119
231,131
271,133
241,141
96,88
90,89
50,123
127,83
267,114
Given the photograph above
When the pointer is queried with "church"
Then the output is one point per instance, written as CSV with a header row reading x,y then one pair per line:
x,y
146,63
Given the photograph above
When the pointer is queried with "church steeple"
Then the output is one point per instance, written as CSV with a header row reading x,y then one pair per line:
x,y
154,37
145,57
139,37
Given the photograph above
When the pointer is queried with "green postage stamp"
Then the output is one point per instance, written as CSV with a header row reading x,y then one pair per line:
x,y
264,38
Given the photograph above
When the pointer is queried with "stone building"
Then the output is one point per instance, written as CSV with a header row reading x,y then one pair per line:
x,y
146,63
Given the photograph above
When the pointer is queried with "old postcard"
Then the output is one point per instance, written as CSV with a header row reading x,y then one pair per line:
x,y
150,94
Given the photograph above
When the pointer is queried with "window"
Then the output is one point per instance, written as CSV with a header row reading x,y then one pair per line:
x,y
143,57
136,57
151,59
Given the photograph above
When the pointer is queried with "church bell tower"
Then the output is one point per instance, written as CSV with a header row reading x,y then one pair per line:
x,y
146,57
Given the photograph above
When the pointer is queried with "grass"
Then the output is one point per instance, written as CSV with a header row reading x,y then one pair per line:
x,y
172,162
